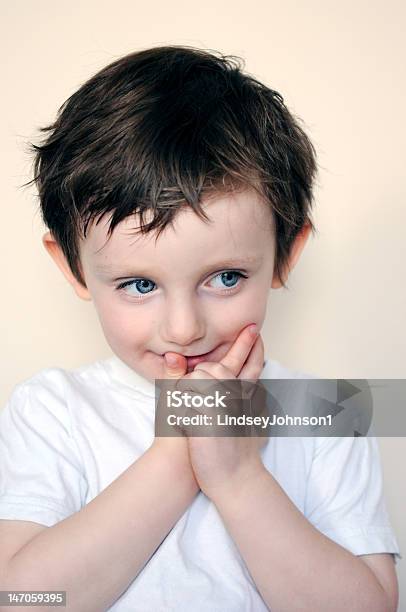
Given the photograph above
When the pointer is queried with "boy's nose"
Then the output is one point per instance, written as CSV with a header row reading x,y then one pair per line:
x,y
182,326
182,335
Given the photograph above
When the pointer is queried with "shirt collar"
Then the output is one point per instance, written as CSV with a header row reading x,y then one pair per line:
x,y
123,373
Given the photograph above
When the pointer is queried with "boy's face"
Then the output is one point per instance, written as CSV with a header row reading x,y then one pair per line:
x,y
185,292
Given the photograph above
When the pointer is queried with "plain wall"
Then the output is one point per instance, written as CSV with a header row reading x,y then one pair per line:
x,y
340,67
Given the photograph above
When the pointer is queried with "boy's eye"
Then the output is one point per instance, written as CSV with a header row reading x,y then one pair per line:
x,y
143,285
228,280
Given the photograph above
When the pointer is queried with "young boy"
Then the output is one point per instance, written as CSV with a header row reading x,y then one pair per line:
x,y
204,176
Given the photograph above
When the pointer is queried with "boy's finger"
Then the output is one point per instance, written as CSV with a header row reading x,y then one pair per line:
x,y
175,365
239,351
255,363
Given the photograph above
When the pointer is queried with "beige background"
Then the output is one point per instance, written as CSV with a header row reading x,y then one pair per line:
x,y
339,66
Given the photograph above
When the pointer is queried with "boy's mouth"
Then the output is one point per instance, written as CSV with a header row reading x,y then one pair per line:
x,y
193,360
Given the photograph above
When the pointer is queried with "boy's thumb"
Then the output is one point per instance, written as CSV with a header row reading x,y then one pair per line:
x,y
175,365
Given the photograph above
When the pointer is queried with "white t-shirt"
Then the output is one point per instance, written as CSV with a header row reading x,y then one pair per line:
x,y
65,435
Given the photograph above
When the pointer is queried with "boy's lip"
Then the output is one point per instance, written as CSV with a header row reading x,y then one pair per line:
x,y
195,359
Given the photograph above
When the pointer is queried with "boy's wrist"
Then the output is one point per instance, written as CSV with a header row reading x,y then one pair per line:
x,y
243,481
174,451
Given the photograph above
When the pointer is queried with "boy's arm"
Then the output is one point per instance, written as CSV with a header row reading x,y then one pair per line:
x,y
97,552
295,566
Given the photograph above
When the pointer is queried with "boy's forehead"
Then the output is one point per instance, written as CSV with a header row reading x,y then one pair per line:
x,y
238,222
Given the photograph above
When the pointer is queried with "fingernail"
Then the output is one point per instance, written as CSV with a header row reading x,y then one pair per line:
x,y
171,361
253,329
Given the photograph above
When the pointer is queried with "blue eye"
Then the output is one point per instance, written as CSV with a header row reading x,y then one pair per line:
x,y
229,278
144,285
141,285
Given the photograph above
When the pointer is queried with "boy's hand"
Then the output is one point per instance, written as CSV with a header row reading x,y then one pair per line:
x,y
218,460
176,445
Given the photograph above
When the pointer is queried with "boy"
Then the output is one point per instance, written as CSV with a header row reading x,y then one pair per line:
x,y
164,175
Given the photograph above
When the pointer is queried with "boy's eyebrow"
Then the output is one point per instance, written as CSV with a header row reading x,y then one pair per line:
x,y
140,271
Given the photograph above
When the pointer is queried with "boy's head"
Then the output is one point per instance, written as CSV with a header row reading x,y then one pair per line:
x,y
173,166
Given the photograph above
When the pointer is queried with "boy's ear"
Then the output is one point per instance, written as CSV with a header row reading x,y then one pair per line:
x,y
59,258
296,250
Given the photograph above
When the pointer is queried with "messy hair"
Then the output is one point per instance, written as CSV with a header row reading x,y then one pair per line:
x,y
164,128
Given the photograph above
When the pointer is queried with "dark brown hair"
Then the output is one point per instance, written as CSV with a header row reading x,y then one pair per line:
x,y
163,128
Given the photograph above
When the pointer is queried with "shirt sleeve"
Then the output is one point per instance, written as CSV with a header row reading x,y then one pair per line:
x,y
345,498
41,479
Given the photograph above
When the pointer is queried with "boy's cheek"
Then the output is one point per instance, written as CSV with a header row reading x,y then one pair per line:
x,y
120,327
